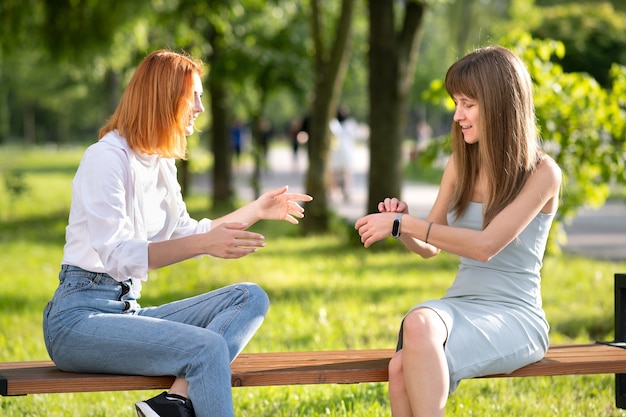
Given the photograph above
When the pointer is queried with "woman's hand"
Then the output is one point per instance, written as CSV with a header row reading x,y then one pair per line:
x,y
377,226
228,240
278,204
393,205
231,241
374,227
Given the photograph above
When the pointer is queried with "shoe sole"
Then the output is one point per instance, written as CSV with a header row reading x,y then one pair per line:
x,y
144,410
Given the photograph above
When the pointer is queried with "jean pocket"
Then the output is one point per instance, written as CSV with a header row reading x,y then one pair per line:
x,y
73,284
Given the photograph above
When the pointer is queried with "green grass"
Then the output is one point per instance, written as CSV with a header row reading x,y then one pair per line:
x,y
326,293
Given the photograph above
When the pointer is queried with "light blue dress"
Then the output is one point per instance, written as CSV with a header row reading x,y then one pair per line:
x,y
493,310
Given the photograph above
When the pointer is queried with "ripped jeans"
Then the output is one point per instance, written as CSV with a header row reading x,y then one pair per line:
x,y
93,324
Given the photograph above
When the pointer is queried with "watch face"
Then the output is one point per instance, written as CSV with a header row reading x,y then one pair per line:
x,y
396,228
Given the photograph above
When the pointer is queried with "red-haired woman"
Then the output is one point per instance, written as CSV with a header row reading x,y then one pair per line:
x,y
128,217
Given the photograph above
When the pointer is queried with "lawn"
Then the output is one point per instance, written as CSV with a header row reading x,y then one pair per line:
x,y
326,293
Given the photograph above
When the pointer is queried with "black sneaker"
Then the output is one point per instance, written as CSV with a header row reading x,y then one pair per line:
x,y
165,405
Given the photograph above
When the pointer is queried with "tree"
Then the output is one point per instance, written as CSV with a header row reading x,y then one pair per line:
x,y
269,59
220,121
53,58
18,20
594,36
330,64
75,29
393,54
249,53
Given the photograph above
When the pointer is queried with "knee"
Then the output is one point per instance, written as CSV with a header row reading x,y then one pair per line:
x,y
257,297
396,374
423,326
215,344
395,368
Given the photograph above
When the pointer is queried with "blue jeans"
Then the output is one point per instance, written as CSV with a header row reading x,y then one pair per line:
x,y
93,324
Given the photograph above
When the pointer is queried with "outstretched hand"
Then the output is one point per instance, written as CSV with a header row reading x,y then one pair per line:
x,y
278,204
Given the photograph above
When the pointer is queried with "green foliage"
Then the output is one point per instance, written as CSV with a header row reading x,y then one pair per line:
x,y
73,27
268,55
18,21
577,123
594,35
325,294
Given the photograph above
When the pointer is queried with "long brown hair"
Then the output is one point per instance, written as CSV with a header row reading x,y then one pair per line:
x,y
157,104
508,148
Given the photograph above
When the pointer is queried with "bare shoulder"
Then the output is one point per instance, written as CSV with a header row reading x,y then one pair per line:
x,y
547,178
549,171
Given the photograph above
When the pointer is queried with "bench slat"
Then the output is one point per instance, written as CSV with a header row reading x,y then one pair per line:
x,y
294,368
46,378
325,367
589,359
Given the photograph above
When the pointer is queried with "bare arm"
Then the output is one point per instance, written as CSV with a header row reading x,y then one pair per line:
x,y
228,237
375,227
437,215
540,193
275,204
228,240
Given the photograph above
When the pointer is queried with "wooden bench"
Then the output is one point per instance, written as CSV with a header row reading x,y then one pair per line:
x,y
326,367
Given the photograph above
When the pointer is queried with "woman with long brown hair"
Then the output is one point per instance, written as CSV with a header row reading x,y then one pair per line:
x,y
498,196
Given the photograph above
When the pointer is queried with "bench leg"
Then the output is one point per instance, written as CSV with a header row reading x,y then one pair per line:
x,y
620,335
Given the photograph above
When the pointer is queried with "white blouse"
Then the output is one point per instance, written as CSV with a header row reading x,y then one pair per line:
x,y
122,200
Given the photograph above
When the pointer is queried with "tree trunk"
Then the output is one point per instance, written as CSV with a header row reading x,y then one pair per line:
x,y
392,66
258,147
223,196
5,108
220,146
257,151
330,69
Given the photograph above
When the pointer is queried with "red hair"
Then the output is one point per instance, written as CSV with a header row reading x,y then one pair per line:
x,y
157,104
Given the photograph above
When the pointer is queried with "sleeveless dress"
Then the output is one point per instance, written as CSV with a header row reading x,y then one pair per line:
x,y
493,310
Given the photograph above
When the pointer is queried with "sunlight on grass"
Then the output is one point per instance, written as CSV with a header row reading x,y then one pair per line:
x,y
326,293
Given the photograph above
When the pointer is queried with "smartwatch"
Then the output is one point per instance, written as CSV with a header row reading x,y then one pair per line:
x,y
395,230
